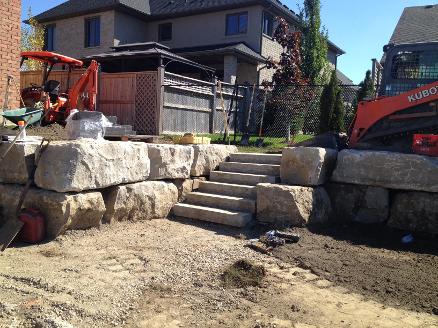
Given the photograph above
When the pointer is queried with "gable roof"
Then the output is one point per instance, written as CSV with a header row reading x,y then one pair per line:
x,y
417,25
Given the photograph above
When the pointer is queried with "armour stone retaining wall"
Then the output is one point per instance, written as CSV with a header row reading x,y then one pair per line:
x,y
61,211
208,157
282,206
170,161
387,170
91,164
140,201
307,166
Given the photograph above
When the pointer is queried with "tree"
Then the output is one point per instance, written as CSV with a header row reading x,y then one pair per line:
x,y
366,87
288,69
285,107
331,108
32,39
314,45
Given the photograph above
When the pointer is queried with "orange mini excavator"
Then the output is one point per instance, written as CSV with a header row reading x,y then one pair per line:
x,y
57,106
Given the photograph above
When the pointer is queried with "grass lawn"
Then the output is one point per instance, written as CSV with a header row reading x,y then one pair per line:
x,y
270,144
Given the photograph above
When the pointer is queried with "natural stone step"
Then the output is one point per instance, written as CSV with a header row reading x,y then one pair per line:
x,y
228,189
241,178
256,158
251,168
226,217
221,201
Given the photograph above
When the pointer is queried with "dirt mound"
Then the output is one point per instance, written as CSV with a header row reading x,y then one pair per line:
x,y
371,261
243,274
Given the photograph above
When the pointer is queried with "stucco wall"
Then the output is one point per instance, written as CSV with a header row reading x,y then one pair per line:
x,y
128,29
70,35
10,48
208,29
272,49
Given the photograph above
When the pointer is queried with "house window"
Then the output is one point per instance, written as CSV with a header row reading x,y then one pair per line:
x,y
237,23
268,23
92,32
49,38
165,32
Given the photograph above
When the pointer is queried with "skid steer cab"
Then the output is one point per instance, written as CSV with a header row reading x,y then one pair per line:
x,y
57,99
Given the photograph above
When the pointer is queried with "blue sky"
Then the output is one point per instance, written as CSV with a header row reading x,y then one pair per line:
x,y
361,28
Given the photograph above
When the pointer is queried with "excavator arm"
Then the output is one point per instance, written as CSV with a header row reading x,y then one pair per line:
x,y
86,88
387,117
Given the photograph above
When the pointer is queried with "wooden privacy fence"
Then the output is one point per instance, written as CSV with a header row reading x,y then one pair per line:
x,y
191,105
158,102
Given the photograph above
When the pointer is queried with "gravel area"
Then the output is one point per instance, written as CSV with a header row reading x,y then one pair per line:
x,y
167,273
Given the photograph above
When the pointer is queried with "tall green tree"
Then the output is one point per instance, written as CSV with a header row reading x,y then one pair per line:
x,y
366,87
332,112
32,39
314,45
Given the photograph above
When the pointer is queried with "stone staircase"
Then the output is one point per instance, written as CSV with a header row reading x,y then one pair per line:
x,y
230,196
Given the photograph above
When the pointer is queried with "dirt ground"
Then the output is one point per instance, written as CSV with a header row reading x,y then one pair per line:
x,y
167,273
371,260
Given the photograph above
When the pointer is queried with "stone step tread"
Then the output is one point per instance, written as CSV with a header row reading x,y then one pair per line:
x,y
259,158
241,178
205,194
222,201
229,189
210,214
252,168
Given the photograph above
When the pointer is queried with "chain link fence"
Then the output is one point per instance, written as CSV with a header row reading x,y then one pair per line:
x,y
294,109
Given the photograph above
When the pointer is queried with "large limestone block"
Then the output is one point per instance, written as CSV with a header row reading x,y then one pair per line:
x,y
170,161
186,186
140,201
19,161
364,204
282,205
208,157
387,170
71,166
61,211
307,166
415,212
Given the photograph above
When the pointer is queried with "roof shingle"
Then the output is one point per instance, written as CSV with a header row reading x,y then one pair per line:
x,y
417,25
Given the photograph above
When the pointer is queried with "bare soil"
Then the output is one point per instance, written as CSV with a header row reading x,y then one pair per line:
x,y
51,132
372,261
168,273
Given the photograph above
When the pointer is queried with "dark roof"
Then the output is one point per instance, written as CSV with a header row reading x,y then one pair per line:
x,y
159,9
343,79
417,25
156,8
145,50
239,48
78,7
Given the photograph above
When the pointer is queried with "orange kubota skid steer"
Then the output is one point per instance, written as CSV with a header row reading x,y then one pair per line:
x,y
57,106
391,123
405,116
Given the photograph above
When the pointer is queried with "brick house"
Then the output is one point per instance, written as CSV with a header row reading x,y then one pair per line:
x,y
10,48
232,36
